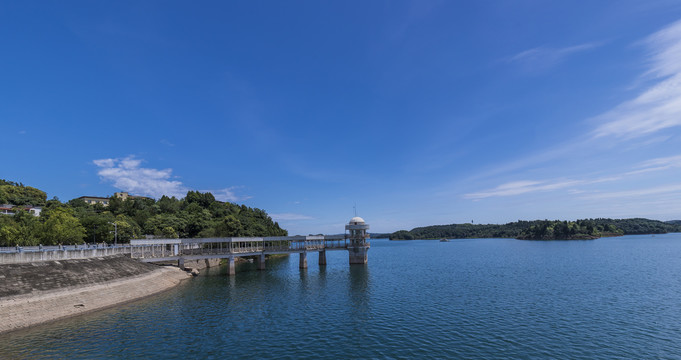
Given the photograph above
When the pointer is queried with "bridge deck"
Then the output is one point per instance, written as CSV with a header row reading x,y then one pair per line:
x,y
207,248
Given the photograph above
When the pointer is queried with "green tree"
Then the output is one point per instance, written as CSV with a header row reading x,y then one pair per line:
x,y
97,226
197,219
157,223
61,227
22,195
229,226
9,232
127,228
168,205
167,232
27,229
202,199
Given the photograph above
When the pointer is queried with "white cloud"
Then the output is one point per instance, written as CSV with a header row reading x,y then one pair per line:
x,y
544,57
665,48
127,174
527,186
227,194
665,189
652,112
290,217
659,106
523,187
105,163
658,164
166,142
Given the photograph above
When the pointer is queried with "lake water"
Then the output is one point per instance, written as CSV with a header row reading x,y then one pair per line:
x,y
476,298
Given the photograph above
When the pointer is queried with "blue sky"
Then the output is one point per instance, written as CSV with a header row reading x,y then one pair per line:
x,y
420,113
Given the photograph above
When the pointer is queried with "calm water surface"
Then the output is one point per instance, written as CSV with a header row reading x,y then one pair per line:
x,y
483,298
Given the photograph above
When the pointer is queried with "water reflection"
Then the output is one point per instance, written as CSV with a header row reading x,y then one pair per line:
x,y
322,277
359,290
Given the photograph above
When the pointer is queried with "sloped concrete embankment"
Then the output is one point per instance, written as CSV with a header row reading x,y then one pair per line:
x,y
39,292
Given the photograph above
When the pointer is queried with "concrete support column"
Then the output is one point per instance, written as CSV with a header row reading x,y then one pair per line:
x,y
180,263
322,258
303,260
358,254
231,267
261,262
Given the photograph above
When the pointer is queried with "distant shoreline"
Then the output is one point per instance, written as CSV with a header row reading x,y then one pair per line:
x,y
542,229
512,238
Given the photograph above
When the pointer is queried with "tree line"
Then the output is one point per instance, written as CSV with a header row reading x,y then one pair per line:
x,y
74,222
569,230
541,229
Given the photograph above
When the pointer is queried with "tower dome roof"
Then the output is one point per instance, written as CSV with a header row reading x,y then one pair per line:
x,y
356,220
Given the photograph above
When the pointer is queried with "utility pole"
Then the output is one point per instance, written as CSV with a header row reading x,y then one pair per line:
x,y
115,232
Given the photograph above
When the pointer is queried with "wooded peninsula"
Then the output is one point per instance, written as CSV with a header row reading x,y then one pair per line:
x,y
542,229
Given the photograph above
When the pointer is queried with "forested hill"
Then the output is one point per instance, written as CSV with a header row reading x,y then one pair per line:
x,y
19,194
196,215
541,229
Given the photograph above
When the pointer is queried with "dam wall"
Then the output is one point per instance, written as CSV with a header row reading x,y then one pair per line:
x,y
43,291
65,254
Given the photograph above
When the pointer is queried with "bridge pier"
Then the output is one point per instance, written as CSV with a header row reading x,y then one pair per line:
x,y
322,258
358,254
180,263
261,261
303,260
231,268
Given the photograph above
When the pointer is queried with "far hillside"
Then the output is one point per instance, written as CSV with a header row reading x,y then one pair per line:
x,y
542,229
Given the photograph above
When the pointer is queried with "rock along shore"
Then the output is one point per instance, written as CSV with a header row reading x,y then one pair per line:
x,y
40,292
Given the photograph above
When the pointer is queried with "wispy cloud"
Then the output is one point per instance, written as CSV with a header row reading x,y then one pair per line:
x,y
127,174
657,107
654,109
523,187
531,186
541,58
656,190
290,217
657,164
166,142
227,194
